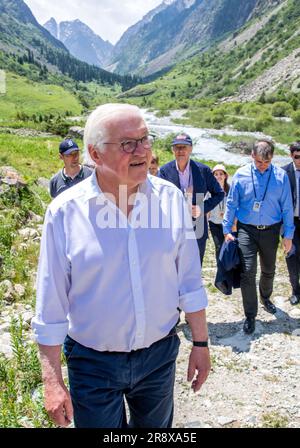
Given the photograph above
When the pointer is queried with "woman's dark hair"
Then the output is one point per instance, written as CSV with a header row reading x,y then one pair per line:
x,y
226,185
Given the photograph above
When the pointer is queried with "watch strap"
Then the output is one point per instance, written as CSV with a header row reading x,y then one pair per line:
x,y
200,343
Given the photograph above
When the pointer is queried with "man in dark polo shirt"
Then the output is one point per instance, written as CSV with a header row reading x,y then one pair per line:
x,y
72,173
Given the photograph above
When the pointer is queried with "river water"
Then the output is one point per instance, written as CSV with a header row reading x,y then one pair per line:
x,y
205,144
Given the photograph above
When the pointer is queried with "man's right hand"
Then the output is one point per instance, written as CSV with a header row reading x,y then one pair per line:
x,y
229,237
57,398
58,404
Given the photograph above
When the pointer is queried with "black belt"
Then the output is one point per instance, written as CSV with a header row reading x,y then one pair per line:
x,y
261,227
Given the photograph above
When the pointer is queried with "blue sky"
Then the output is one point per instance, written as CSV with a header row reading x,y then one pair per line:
x,y
108,18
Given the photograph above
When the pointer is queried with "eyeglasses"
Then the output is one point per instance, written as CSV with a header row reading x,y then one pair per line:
x,y
130,146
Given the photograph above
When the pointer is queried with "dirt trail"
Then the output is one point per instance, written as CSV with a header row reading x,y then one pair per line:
x,y
255,379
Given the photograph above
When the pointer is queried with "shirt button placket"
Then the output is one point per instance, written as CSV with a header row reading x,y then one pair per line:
x,y
136,289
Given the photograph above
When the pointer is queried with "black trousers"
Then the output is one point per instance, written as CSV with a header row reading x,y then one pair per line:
x,y
293,262
201,246
253,242
216,231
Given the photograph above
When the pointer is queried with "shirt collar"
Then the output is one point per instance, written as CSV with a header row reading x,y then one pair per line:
x,y
257,170
186,170
296,169
66,177
93,188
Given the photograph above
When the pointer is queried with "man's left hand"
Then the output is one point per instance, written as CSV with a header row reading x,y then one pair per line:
x,y
199,364
287,245
196,211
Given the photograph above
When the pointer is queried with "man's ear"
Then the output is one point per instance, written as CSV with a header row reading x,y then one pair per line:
x,y
61,156
95,154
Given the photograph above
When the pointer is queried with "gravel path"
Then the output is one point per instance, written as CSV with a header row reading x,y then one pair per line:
x,y
254,379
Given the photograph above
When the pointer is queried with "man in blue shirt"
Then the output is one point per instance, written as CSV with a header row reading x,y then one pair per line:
x,y
260,198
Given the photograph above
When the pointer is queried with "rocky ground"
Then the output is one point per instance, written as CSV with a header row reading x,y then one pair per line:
x,y
254,380
286,70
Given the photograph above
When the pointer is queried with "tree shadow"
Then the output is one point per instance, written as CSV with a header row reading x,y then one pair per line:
x,y
231,333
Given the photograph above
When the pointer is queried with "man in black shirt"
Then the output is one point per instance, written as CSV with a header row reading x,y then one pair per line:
x,y
72,172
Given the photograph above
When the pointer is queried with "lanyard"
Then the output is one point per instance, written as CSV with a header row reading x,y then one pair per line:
x,y
263,198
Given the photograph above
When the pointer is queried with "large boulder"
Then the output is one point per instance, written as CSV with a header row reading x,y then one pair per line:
x,y
7,291
242,147
10,177
76,132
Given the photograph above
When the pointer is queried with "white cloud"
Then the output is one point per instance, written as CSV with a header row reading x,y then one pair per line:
x,y
108,18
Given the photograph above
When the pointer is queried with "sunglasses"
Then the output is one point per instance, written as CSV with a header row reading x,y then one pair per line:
x,y
296,157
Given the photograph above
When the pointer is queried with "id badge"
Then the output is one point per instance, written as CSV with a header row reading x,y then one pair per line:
x,y
256,206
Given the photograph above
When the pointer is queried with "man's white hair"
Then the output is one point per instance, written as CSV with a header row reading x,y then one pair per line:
x,y
95,131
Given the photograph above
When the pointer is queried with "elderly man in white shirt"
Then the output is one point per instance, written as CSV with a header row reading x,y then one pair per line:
x,y
118,257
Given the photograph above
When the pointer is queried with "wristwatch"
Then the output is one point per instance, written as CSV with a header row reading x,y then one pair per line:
x,y
200,343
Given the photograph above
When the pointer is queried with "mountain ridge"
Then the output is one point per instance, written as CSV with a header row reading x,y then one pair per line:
x,y
180,29
30,50
81,41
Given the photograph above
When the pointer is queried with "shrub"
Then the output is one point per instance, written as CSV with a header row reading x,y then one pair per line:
x,y
262,122
294,102
296,117
281,109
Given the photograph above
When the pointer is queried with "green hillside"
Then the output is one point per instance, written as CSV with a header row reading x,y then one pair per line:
x,y
219,73
248,82
57,83
24,95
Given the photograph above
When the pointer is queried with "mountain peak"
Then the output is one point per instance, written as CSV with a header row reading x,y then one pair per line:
x,y
52,27
19,10
81,41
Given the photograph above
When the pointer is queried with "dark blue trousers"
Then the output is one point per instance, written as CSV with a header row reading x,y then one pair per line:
x,y
202,246
99,382
293,262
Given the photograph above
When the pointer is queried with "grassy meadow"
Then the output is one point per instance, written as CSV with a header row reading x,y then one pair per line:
x,y
29,97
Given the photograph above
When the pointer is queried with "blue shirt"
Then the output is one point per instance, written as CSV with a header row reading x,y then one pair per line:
x,y
114,283
276,207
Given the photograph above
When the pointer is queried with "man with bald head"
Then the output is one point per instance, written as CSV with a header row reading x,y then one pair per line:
x,y
260,198
117,260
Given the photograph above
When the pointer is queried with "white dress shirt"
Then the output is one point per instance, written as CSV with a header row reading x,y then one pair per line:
x,y
116,288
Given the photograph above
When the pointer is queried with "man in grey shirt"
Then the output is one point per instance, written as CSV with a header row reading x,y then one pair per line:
x,y
72,173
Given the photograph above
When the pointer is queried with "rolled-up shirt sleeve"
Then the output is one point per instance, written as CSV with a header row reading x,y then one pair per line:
x,y
287,209
192,294
50,323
